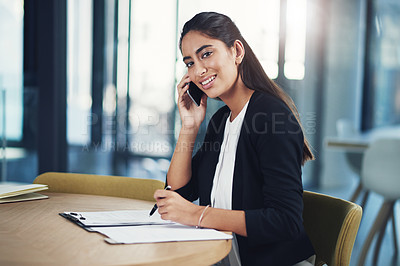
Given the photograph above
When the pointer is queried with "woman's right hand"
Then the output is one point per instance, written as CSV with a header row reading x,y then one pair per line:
x,y
191,115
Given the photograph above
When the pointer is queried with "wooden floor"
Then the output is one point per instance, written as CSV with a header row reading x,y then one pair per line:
x,y
387,255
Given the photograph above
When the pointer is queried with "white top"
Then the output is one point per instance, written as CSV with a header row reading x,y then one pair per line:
x,y
221,193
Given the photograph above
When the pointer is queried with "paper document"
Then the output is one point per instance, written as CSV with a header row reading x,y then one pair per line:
x,y
158,233
115,218
136,226
9,190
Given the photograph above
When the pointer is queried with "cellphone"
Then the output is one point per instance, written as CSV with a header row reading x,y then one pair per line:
x,y
195,93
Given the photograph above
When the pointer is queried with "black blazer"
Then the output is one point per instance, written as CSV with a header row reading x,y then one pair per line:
x,y
266,181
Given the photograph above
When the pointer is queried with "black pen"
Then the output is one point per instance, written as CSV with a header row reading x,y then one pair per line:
x,y
155,205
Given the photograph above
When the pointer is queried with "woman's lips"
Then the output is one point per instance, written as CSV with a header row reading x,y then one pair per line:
x,y
208,83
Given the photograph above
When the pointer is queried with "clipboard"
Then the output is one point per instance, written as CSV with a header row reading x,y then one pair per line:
x,y
87,220
76,221
136,226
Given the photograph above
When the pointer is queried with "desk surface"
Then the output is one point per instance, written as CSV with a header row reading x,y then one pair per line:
x,y
32,233
359,143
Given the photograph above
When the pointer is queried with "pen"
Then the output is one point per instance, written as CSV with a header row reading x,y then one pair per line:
x,y
155,205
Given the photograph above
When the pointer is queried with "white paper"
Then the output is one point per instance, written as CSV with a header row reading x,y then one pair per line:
x,y
159,233
125,217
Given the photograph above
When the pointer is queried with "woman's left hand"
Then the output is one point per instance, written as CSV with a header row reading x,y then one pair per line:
x,y
174,207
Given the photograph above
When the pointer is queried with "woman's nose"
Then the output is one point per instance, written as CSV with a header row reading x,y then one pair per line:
x,y
200,69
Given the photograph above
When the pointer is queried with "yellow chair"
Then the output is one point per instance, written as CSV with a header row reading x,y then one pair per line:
x,y
332,226
116,186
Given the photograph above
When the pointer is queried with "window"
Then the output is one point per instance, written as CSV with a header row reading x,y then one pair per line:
x,y
381,105
295,39
145,76
11,65
79,70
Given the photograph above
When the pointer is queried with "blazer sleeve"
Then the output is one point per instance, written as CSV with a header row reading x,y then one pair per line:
x,y
278,142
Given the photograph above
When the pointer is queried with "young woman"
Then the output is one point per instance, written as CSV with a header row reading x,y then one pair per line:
x,y
247,174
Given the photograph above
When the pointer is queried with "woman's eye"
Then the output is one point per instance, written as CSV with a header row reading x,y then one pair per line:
x,y
206,54
189,64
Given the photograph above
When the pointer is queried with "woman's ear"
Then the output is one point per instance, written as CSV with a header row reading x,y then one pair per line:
x,y
239,49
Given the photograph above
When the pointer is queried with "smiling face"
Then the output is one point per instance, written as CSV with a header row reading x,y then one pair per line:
x,y
212,66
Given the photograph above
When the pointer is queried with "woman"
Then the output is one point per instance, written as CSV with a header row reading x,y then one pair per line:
x,y
247,174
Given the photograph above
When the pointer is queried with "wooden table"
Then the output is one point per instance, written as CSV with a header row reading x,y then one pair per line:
x,y
32,233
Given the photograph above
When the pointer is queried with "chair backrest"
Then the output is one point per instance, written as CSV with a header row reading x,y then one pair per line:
x,y
332,226
381,168
116,186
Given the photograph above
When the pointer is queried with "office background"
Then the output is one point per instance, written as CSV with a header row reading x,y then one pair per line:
x,y
88,86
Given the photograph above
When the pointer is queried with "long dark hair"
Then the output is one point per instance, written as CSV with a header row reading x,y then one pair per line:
x,y
221,27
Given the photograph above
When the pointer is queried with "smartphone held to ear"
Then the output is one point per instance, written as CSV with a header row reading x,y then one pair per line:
x,y
195,93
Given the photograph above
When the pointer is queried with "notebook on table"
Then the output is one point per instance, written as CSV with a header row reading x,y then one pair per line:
x,y
14,192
